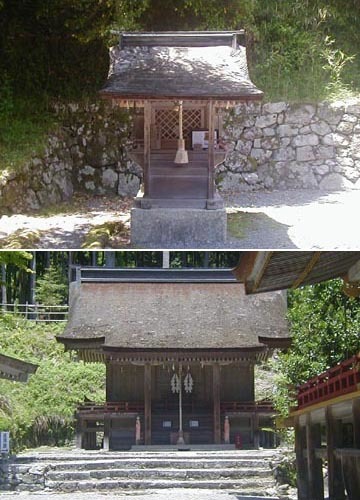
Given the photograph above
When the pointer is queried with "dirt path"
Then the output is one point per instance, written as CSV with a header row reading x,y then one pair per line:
x,y
275,220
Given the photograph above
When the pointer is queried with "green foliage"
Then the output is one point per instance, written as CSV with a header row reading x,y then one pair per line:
x,y
19,259
325,325
52,287
41,411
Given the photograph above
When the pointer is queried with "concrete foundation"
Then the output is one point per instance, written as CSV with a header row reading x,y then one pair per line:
x,y
178,228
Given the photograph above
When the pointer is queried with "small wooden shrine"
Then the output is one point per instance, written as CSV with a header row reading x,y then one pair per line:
x,y
177,85
180,349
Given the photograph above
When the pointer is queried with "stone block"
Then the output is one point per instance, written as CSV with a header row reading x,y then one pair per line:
x,y
305,153
274,107
306,140
178,228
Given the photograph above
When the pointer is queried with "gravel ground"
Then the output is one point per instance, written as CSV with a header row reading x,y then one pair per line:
x,y
266,220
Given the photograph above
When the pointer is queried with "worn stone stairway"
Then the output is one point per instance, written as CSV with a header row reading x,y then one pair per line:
x,y
248,472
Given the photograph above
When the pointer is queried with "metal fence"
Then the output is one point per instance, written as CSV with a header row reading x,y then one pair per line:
x,y
37,312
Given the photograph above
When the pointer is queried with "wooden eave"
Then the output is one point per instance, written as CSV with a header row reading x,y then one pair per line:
x,y
270,271
15,369
276,342
224,100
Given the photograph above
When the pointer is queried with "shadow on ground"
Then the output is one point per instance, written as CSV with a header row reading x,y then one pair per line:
x,y
257,230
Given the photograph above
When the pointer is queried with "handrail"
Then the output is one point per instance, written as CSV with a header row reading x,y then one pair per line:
x,y
246,406
37,312
338,380
111,407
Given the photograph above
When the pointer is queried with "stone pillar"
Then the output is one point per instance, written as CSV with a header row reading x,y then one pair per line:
x,y
78,432
226,430
314,465
333,440
256,430
216,403
147,404
147,145
301,468
165,259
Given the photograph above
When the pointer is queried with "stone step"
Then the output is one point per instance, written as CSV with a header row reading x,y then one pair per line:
x,y
165,473
155,464
243,487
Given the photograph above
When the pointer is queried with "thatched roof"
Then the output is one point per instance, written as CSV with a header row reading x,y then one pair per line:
x,y
172,316
148,70
268,271
15,369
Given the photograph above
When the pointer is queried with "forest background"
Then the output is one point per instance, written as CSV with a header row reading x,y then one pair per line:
x,y
323,321
56,50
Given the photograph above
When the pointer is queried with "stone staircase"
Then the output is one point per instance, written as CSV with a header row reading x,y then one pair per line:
x,y
246,472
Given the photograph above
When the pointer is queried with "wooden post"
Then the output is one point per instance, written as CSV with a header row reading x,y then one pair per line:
x,y
107,426
211,159
302,482
335,481
256,430
147,145
226,430
137,430
79,432
314,465
216,403
147,404
356,423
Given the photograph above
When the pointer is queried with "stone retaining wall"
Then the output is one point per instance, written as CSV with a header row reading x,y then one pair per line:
x,y
86,153
283,146
270,146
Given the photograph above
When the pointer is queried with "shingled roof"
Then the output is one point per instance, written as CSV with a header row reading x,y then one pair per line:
x,y
176,66
15,369
172,316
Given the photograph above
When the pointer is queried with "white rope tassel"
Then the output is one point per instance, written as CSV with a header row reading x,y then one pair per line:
x,y
181,154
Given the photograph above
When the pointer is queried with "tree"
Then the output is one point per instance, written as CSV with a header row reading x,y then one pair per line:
x,y
325,329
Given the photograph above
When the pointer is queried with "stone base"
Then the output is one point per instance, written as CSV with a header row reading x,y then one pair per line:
x,y
178,228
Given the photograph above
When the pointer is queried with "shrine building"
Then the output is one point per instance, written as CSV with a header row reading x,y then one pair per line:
x,y
177,85
180,346
326,417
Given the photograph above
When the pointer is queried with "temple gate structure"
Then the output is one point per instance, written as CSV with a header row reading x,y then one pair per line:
x,y
326,417
180,348
177,85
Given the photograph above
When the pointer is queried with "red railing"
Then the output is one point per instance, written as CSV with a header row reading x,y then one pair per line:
x,y
112,407
246,406
339,380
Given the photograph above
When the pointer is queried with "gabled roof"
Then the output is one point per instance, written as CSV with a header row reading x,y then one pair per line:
x,y
194,65
269,271
15,369
170,316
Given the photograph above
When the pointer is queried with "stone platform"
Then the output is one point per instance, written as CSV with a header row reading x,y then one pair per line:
x,y
178,228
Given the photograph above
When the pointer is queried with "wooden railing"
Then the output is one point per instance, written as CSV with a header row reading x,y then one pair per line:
x,y
341,379
112,407
37,312
246,406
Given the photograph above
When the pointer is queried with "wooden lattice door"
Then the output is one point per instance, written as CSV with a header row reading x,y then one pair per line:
x,y
166,121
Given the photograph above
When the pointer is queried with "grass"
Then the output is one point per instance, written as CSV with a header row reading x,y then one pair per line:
x,y
21,239
108,235
23,132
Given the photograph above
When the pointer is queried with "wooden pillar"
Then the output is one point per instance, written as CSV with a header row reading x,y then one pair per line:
x,y
216,403
211,150
356,423
147,145
314,465
335,480
147,404
79,432
301,469
256,430
107,427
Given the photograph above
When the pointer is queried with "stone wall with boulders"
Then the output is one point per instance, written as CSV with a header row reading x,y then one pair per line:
x,y
288,146
269,146
87,152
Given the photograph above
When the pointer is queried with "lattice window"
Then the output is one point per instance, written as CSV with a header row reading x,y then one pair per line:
x,y
168,122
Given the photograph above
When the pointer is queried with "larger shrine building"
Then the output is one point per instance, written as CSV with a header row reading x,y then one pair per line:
x,y
159,331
